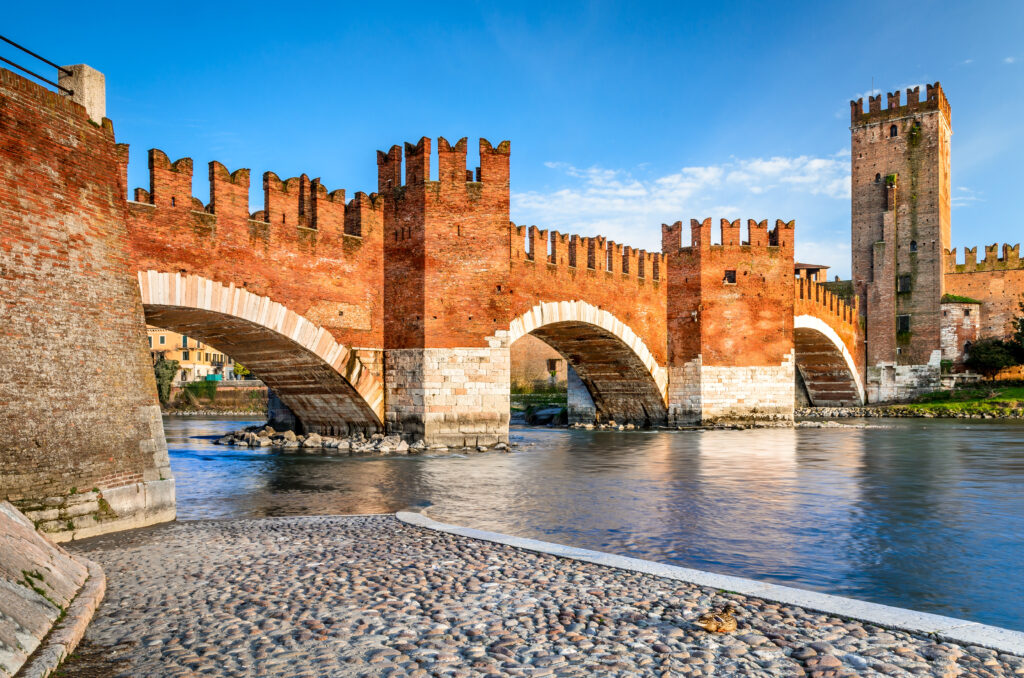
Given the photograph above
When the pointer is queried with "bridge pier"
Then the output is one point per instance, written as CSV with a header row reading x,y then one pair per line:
x,y
712,394
456,397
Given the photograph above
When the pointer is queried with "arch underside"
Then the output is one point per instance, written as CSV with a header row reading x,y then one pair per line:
x,y
830,378
619,382
322,399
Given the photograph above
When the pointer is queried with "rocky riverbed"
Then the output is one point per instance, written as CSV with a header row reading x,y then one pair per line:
x,y
370,596
895,411
313,443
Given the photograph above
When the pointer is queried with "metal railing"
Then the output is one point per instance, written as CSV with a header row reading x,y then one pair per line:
x,y
26,50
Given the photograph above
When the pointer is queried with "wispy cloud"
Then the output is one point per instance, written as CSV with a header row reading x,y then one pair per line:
x,y
629,206
968,61
1009,60
963,196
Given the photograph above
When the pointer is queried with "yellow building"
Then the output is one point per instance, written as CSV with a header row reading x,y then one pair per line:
x,y
195,359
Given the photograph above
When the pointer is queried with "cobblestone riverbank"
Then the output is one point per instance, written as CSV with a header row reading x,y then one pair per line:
x,y
370,596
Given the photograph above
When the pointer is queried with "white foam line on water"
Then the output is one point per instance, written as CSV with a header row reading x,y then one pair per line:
x,y
941,627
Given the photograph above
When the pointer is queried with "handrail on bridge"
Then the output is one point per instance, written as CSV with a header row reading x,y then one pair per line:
x,y
26,50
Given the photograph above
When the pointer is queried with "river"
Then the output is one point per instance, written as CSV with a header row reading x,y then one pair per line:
x,y
920,513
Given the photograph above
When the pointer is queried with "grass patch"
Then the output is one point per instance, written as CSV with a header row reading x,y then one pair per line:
x,y
957,299
983,399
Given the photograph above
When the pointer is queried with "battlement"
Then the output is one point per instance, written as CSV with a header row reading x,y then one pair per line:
x,y
758,235
491,174
572,252
814,299
935,100
289,204
1010,259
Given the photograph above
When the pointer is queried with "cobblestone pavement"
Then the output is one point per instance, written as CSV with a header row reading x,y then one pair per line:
x,y
370,596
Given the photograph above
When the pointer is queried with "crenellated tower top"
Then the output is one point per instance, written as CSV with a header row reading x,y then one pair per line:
x,y
935,100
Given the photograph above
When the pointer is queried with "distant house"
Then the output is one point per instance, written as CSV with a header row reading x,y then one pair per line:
x,y
196,360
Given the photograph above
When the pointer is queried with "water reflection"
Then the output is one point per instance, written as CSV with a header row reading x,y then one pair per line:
x,y
922,515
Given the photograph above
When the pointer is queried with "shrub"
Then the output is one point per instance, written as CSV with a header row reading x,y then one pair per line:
x,y
988,356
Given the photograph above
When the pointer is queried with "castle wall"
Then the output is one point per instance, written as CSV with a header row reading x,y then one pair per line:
x,y
996,281
68,289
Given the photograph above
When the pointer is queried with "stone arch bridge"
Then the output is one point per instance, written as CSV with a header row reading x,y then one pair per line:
x,y
395,310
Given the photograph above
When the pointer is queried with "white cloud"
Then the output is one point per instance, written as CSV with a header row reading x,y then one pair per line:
x,y
1009,60
968,61
963,196
629,207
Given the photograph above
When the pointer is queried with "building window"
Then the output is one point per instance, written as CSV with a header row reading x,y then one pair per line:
x,y
184,341
150,341
878,178
553,364
903,323
163,339
913,245
893,131
730,278
967,312
184,355
903,283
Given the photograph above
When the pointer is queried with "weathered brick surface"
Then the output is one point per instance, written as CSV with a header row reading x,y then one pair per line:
x,y
76,383
900,220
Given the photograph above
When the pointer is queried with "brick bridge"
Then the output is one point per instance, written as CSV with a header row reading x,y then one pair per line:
x,y
397,309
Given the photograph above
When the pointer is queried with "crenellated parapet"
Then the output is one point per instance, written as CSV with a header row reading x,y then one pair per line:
x,y
490,176
814,299
729,236
573,253
294,209
1009,259
935,100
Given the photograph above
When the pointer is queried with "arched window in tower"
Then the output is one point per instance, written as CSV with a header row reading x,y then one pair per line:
x,y
913,245
878,178
893,131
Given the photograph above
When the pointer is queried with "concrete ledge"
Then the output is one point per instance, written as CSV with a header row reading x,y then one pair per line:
x,y
136,505
938,626
66,634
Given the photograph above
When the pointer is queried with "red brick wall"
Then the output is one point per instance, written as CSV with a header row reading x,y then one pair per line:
x,y
746,323
306,249
76,382
446,245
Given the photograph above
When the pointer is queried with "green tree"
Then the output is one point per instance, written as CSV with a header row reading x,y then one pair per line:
x,y
241,370
164,370
1016,341
988,356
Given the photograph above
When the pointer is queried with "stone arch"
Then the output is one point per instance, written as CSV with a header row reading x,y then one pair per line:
x,y
324,383
828,368
619,371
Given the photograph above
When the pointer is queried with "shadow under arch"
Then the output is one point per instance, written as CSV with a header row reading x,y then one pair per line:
x,y
323,382
826,365
624,380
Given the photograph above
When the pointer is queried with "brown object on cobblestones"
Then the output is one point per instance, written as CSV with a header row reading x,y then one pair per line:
x,y
718,621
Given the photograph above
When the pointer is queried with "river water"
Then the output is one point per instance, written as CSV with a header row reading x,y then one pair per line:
x,y
923,514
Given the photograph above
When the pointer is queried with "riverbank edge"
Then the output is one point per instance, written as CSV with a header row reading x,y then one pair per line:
x,y
922,623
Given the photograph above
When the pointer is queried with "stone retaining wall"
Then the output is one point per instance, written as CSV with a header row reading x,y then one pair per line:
x,y
47,598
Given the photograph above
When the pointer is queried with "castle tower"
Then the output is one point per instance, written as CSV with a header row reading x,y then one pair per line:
x,y
446,292
900,229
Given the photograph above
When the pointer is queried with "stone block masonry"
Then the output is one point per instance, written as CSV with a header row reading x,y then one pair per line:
x,y
456,397
68,290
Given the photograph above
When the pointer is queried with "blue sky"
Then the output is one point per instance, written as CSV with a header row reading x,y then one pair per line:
x,y
621,115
